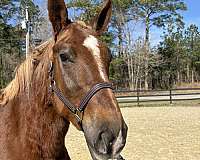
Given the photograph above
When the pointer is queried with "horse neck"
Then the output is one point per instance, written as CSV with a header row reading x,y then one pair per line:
x,y
35,102
35,120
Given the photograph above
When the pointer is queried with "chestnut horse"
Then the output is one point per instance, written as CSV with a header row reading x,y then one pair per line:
x,y
63,81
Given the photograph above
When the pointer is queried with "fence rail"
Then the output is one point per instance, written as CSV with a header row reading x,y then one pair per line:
x,y
171,95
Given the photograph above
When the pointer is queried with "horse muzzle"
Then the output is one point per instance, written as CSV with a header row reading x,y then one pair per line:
x,y
107,146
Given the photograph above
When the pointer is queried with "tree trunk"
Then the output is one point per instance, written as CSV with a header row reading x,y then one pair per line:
x,y
135,73
120,43
188,73
192,76
132,74
146,58
178,78
138,73
129,55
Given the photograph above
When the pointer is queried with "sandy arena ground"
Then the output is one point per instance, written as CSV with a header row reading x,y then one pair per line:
x,y
155,133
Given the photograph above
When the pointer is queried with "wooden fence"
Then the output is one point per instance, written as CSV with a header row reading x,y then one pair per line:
x,y
171,95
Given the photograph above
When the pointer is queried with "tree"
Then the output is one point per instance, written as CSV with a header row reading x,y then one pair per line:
x,y
119,26
174,56
86,11
7,33
7,10
192,40
156,13
35,18
11,35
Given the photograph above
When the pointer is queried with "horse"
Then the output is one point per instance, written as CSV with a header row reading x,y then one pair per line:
x,y
64,81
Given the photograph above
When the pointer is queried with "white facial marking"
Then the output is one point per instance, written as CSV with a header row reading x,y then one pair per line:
x,y
92,44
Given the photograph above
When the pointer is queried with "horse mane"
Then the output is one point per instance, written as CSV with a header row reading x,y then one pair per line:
x,y
33,70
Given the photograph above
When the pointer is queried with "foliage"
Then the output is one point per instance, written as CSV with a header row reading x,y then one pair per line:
x,y
87,9
11,35
7,10
181,55
32,8
174,61
159,12
192,40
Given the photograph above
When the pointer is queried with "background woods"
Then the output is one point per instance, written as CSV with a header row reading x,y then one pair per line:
x,y
12,36
137,62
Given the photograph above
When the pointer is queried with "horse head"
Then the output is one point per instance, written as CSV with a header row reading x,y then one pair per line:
x,y
81,65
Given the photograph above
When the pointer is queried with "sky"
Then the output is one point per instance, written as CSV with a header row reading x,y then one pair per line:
x,y
191,16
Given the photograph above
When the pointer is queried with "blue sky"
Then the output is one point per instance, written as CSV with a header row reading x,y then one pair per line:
x,y
191,16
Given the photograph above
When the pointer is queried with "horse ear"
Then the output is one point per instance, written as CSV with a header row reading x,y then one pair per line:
x,y
58,15
101,21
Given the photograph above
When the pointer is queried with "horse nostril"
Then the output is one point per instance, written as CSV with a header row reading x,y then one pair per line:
x,y
104,143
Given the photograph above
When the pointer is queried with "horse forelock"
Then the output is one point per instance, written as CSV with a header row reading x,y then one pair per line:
x,y
83,24
32,72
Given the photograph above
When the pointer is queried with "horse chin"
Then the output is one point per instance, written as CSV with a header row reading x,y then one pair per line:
x,y
97,156
113,153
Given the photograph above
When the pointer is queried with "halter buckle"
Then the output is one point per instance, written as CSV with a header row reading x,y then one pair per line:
x,y
79,117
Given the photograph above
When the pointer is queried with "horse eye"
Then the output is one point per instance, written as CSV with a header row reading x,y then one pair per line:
x,y
67,56
63,57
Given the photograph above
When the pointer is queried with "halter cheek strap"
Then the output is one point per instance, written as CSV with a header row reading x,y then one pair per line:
x,y
77,111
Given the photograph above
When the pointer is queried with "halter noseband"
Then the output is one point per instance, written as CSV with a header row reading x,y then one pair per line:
x,y
77,111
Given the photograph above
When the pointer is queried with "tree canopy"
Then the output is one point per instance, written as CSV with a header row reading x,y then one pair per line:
x,y
175,60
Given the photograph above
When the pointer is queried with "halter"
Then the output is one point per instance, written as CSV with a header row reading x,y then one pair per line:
x,y
77,111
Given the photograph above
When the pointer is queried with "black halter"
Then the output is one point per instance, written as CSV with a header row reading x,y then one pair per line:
x,y
77,111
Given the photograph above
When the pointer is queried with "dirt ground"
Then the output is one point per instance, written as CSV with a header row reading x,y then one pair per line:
x,y
155,133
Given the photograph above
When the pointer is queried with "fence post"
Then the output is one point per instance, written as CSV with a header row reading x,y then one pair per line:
x,y
138,97
170,95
